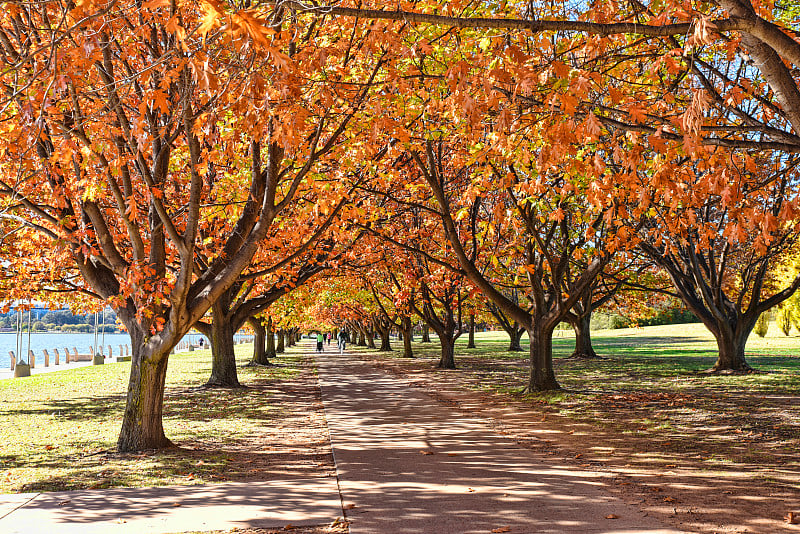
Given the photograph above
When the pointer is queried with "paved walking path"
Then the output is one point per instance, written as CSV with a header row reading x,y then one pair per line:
x,y
408,464
274,503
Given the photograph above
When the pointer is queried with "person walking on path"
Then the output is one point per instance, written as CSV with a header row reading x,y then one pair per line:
x,y
319,341
342,340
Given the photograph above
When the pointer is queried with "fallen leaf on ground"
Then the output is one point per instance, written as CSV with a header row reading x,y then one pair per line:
x,y
349,506
501,529
289,527
792,518
62,503
669,499
120,521
612,516
176,504
426,452
579,455
49,447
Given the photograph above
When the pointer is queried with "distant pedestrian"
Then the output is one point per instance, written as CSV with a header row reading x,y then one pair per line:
x,y
342,340
201,342
319,341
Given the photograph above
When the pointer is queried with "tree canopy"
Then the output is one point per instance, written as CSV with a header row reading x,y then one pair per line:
x,y
175,158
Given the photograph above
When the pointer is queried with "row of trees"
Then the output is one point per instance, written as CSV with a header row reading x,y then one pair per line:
x,y
182,161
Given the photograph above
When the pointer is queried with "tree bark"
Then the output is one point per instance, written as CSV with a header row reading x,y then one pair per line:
x,y
260,356
583,337
407,329
281,348
362,338
515,337
731,343
471,337
370,337
542,375
223,358
142,428
426,334
385,340
447,359
270,334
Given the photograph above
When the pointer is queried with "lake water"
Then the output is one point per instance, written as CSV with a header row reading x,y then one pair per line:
x,y
60,340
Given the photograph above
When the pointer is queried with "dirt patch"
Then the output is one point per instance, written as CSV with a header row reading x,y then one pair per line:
x,y
737,484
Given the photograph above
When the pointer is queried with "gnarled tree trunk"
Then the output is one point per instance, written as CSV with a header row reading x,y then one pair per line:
x,y
426,334
515,337
142,428
471,337
383,332
731,341
583,337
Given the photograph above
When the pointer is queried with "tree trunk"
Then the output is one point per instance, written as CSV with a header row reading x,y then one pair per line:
x,y
407,329
583,337
385,341
142,428
362,339
471,339
447,359
731,343
542,376
270,335
426,334
223,358
370,338
515,335
281,342
260,356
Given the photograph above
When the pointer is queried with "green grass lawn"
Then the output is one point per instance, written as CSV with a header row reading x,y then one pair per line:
x,y
59,430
